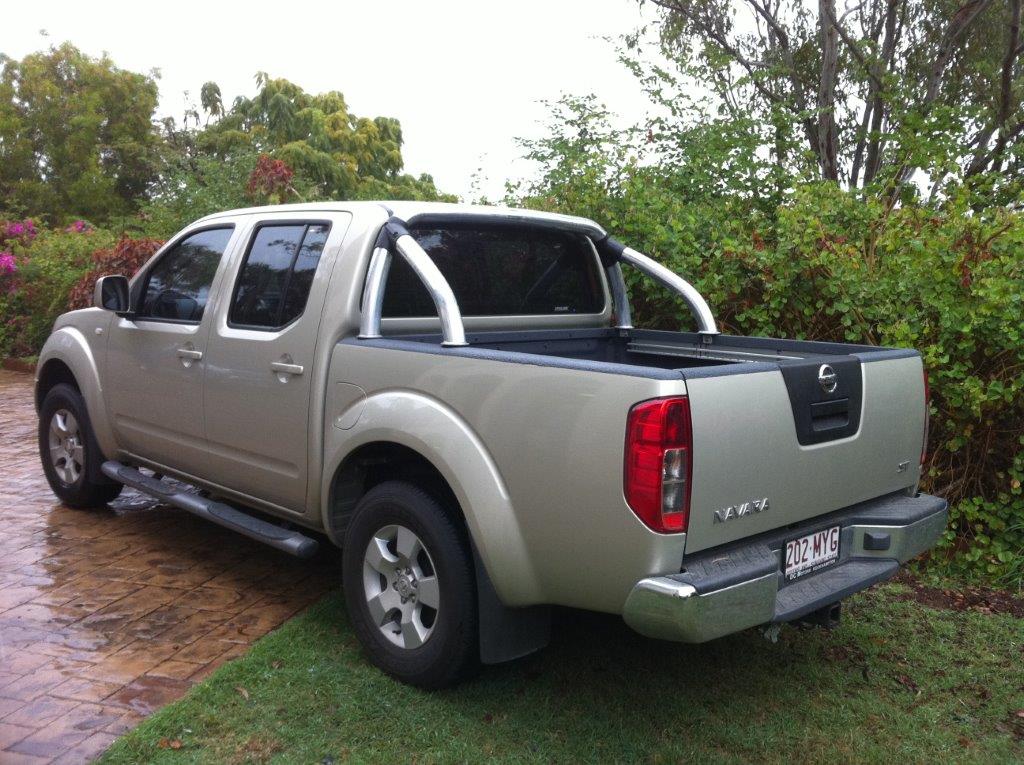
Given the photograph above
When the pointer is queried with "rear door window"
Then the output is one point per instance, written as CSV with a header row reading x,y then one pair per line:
x,y
500,270
274,282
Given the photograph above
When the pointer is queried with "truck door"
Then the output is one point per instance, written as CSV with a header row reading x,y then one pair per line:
x,y
260,358
154,380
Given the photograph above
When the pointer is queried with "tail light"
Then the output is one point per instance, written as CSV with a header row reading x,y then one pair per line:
x,y
659,463
927,417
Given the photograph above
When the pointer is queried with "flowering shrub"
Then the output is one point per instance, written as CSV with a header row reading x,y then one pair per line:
x,y
22,231
38,267
78,227
45,272
8,269
126,257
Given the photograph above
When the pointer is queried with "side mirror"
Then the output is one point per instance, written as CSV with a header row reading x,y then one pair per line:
x,y
111,294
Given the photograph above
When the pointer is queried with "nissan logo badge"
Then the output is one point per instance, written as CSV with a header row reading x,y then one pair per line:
x,y
827,378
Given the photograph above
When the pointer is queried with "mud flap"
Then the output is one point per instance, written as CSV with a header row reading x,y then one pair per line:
x,y
507,633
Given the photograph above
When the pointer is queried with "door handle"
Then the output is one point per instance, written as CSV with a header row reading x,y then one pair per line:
x,y
189,353
287,369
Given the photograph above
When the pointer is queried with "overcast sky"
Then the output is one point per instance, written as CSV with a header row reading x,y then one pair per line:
x,y
464,78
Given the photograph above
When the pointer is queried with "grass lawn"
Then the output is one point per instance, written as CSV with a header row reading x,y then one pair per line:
x,y
896,682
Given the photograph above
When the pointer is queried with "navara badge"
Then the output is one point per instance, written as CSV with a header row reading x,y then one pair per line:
x,y
738,511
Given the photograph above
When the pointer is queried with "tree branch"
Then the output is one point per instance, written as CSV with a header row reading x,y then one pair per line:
x,y
713,29
851,45
983,160
959,24
893,30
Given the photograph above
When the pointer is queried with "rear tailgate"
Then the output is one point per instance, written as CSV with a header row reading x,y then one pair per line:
x,y
773,446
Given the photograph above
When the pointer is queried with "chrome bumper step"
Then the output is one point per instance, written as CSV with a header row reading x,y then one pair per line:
x,y
813,592
287,540
723,591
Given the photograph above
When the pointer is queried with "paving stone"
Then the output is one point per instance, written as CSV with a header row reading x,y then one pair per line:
x,y
108,615
12,734
149,693
87,750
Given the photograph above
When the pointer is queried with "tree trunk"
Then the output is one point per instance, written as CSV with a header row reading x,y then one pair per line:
x,y
826,128
874,155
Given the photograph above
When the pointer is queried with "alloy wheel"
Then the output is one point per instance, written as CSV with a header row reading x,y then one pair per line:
x,y
401,587
67,452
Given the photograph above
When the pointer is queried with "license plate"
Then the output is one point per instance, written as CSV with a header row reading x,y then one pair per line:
x,y
811,553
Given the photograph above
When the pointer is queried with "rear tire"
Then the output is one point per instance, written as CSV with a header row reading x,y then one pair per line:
x,y
409,586
68,450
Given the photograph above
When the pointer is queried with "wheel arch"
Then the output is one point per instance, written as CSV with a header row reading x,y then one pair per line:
x,y
504,633
66,357
374,463
53,372
403,433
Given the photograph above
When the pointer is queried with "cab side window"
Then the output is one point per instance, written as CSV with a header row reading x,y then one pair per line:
x,y
275,279
178,285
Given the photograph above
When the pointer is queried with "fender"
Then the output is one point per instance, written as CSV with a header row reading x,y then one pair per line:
x,y
441,436
70,345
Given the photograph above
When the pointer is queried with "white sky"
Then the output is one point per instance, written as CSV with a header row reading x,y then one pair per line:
x,y
464,78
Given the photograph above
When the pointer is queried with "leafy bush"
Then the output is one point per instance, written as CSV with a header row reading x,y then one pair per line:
x,y
45,272
43,266
126,257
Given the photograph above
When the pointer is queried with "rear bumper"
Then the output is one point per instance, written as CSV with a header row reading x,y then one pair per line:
x,y
730,589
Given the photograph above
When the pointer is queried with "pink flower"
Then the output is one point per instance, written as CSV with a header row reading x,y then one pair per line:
x,y
7,264
78,227
24,230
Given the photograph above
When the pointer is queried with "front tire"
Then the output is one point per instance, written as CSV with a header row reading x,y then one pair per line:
x,y
68,450
409,586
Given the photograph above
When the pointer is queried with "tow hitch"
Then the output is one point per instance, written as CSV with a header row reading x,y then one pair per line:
x,y
827,617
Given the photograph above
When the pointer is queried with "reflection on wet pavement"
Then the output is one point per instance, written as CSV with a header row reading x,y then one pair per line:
x,y
107,615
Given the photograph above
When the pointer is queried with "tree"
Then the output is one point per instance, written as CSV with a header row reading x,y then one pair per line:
x,y
76,135
281,145
212,103
869,94
343,156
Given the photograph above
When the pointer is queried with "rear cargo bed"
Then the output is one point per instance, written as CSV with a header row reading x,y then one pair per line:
x,y
783,430
682,351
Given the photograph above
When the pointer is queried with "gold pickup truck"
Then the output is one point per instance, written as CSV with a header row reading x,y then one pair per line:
x,y
457,397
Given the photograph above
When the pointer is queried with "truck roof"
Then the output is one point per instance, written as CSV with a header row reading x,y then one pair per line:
x,y
409,210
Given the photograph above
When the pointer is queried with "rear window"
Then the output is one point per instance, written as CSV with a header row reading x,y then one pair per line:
x,y
275,280
500,270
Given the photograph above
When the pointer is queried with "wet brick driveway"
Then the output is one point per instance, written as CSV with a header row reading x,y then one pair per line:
x,y
107,615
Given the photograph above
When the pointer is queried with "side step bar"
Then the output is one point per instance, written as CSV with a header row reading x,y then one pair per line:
x,y
289,541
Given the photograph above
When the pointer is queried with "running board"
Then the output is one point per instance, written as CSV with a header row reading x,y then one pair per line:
x,y
289,541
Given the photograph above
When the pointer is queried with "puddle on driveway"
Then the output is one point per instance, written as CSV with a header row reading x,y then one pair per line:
x,y
106,615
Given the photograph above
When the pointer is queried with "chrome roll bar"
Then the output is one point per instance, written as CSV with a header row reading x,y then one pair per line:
x,y
396,236
620,298
453,332
440,291
373,293
698,305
